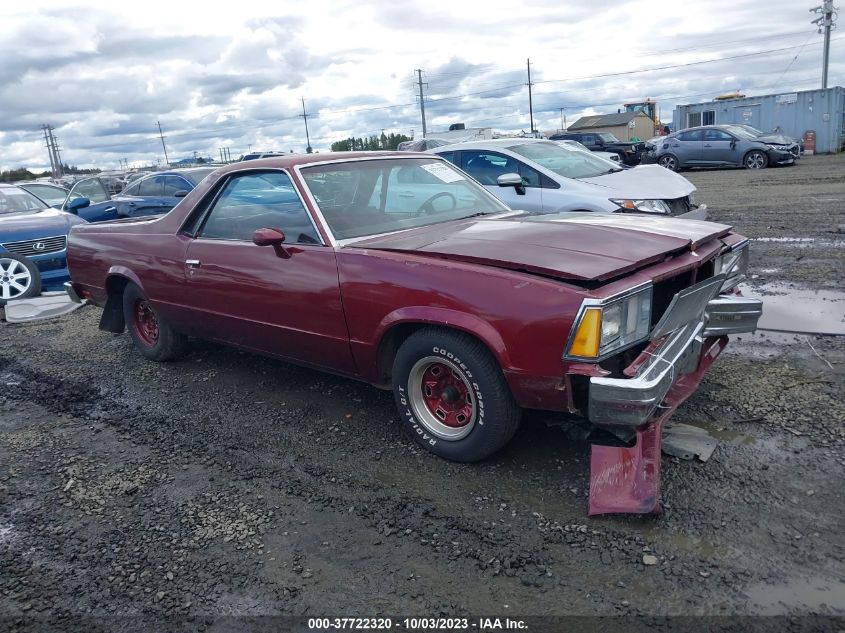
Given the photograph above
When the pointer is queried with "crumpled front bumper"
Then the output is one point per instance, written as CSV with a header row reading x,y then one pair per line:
x,y
631,402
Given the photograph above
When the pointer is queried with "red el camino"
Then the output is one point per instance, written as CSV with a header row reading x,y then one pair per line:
x,y
400,270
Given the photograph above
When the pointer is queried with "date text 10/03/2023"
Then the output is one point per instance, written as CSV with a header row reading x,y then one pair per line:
x,y
417,624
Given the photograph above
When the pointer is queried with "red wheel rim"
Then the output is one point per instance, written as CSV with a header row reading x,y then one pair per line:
x,y
146,323
446,395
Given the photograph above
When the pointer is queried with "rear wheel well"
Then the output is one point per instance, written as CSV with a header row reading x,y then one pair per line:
x,y
393,338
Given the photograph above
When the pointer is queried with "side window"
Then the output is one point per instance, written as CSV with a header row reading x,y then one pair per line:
x,y
690,135
587,139
530,177
450,156
717,135
172,184
486,167
91,189
265,200
151,186
132,190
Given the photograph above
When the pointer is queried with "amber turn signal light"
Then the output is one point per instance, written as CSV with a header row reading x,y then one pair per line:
x,y
588,336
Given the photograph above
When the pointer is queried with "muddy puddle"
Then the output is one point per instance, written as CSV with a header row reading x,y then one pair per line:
x,y
815,595
787,308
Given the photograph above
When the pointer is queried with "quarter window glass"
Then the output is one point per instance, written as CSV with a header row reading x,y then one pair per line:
x,y
172,184
151,186
264,200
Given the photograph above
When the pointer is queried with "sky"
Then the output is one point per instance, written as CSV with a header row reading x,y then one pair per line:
x,y
232,75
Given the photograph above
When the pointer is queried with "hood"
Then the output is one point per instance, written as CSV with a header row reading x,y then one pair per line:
x,y
647,182
571,246
776,139
29,226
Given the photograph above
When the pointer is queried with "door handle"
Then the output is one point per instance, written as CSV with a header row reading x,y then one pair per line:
x,y
193,263
707,145
109,209
131,204
406,194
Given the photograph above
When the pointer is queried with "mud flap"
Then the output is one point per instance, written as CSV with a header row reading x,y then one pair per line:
x,y
627,480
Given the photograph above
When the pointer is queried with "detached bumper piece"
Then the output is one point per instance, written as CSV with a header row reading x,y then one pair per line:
x,y
663,376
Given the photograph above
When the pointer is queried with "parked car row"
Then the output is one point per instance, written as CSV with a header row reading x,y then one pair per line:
x,y
401,270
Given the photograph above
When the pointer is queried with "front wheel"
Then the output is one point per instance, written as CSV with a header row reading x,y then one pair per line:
x,y
756,160
19,278
670,161
452,396
153,337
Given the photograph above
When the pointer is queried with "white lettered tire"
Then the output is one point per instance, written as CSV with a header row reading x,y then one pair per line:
x,y
452,396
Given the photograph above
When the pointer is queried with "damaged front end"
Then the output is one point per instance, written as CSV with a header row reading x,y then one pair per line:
x,y
633,404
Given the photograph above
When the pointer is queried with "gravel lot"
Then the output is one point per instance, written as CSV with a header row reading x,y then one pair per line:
x,y
229,484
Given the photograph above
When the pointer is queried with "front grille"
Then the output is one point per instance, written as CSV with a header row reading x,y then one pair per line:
x,y
679,206
31,248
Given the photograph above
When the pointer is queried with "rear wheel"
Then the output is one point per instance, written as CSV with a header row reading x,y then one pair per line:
x,y
153,337
19,278
756,160
452,396
669,161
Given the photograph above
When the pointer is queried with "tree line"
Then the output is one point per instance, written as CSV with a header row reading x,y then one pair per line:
x,y
373,143
14,175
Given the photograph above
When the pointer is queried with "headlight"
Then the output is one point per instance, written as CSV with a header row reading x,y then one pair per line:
x,y
646,206
605,326
734,265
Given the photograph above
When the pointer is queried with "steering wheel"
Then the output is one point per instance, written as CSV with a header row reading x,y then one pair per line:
x,y
428,205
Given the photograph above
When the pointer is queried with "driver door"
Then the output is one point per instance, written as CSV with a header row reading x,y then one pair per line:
x,y
284,303
101,207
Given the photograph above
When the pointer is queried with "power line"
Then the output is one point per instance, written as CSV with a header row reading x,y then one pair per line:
x,y
671,66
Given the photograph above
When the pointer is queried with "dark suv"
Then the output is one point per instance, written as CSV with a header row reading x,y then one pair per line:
x,y
629,152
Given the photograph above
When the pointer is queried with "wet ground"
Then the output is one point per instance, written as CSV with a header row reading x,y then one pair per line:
x,y
229,485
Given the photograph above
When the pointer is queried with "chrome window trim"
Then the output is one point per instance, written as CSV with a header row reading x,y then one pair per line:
x,y
592,302
219,191
335,242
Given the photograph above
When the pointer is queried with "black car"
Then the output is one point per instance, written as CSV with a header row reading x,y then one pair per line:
x,y
629,152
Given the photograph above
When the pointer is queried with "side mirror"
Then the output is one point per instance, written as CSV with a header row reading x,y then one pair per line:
x,y
181,193
76,204
512,180
271,237
733,143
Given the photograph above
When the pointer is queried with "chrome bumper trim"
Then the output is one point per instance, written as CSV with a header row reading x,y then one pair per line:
x,y
732,315
72,293
631,402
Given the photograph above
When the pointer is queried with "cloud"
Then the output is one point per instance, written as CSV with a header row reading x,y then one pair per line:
x,y
233,75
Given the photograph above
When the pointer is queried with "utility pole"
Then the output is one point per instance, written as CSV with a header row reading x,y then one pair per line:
x,y
825,22
57,153
49,147
304,116
422,99
166,159
228,155
563,119
530,103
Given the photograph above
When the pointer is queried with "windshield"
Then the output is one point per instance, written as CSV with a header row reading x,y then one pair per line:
x,y
370,197
16,200
741,132
566,162
607,137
